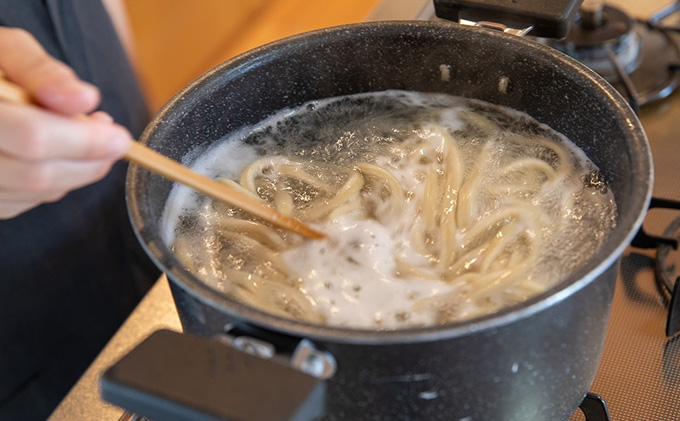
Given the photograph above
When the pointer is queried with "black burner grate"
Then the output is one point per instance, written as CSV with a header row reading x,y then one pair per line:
x,y
668,287
639,58
594,408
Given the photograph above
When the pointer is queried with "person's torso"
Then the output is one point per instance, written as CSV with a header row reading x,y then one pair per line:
x,y
70,271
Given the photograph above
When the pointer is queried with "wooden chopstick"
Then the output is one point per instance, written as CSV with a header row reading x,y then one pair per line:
x,y
161,165
166,167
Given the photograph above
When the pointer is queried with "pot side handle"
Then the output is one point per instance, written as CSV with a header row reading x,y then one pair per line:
x,y
173,376
548,18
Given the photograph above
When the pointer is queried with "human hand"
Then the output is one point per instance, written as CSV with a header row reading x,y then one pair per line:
x,y
45,153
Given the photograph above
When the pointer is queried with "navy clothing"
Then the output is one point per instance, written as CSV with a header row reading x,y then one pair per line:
x,y
71,271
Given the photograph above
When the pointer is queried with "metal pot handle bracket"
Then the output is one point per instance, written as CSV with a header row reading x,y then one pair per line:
x,y
173,376
540,18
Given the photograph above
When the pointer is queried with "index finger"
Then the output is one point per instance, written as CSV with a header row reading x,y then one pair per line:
x,y
53,84
29,133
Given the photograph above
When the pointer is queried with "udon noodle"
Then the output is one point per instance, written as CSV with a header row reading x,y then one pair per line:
x,y
437,209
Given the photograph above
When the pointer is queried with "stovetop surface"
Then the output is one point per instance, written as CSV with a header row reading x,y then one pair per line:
x,y
639,375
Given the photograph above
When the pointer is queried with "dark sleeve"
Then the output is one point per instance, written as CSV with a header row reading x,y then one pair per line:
x,y
72,271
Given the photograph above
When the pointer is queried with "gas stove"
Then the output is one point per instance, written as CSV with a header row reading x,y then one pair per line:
x,y
636,47
637,50
639,57
639,376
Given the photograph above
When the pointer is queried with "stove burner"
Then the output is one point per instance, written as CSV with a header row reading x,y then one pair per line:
x,y
669,289
594,35
639,58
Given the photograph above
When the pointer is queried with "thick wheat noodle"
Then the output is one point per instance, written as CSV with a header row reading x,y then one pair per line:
x,y
260,252
253,170
483,226
447,234
509,189
499,280
407,270
468,249
419,240
266,294
283,202
454,173
432,207
503,279
525,164
531,286
562,153
479,121
295,171
236,186
465,211
390,181
281,166
479,259
182,249
440,300
431,199
510,232
348,207
258,232
489,281
352,186
553,175
560,171
183,252
463,262
561,168
447,240
455,166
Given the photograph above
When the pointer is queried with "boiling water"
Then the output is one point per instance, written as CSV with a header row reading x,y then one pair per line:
x,y
395,259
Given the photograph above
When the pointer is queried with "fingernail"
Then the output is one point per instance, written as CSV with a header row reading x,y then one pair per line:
x,y
119,143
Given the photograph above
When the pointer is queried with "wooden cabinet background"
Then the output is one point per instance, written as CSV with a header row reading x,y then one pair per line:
x,y
177,40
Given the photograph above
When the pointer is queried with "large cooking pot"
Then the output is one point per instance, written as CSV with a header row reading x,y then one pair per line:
x,y
532,361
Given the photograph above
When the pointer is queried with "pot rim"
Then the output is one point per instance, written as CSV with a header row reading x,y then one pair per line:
x,y
616,244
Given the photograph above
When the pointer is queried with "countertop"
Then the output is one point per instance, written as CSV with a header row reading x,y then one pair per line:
x,y
155,311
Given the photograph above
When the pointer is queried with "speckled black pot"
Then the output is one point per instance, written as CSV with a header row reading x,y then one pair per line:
x,y
533,361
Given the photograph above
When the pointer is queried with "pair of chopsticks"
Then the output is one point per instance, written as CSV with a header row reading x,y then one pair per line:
x,y
166,167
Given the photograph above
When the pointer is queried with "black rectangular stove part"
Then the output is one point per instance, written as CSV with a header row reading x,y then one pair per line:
x,y
594,408
549,18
